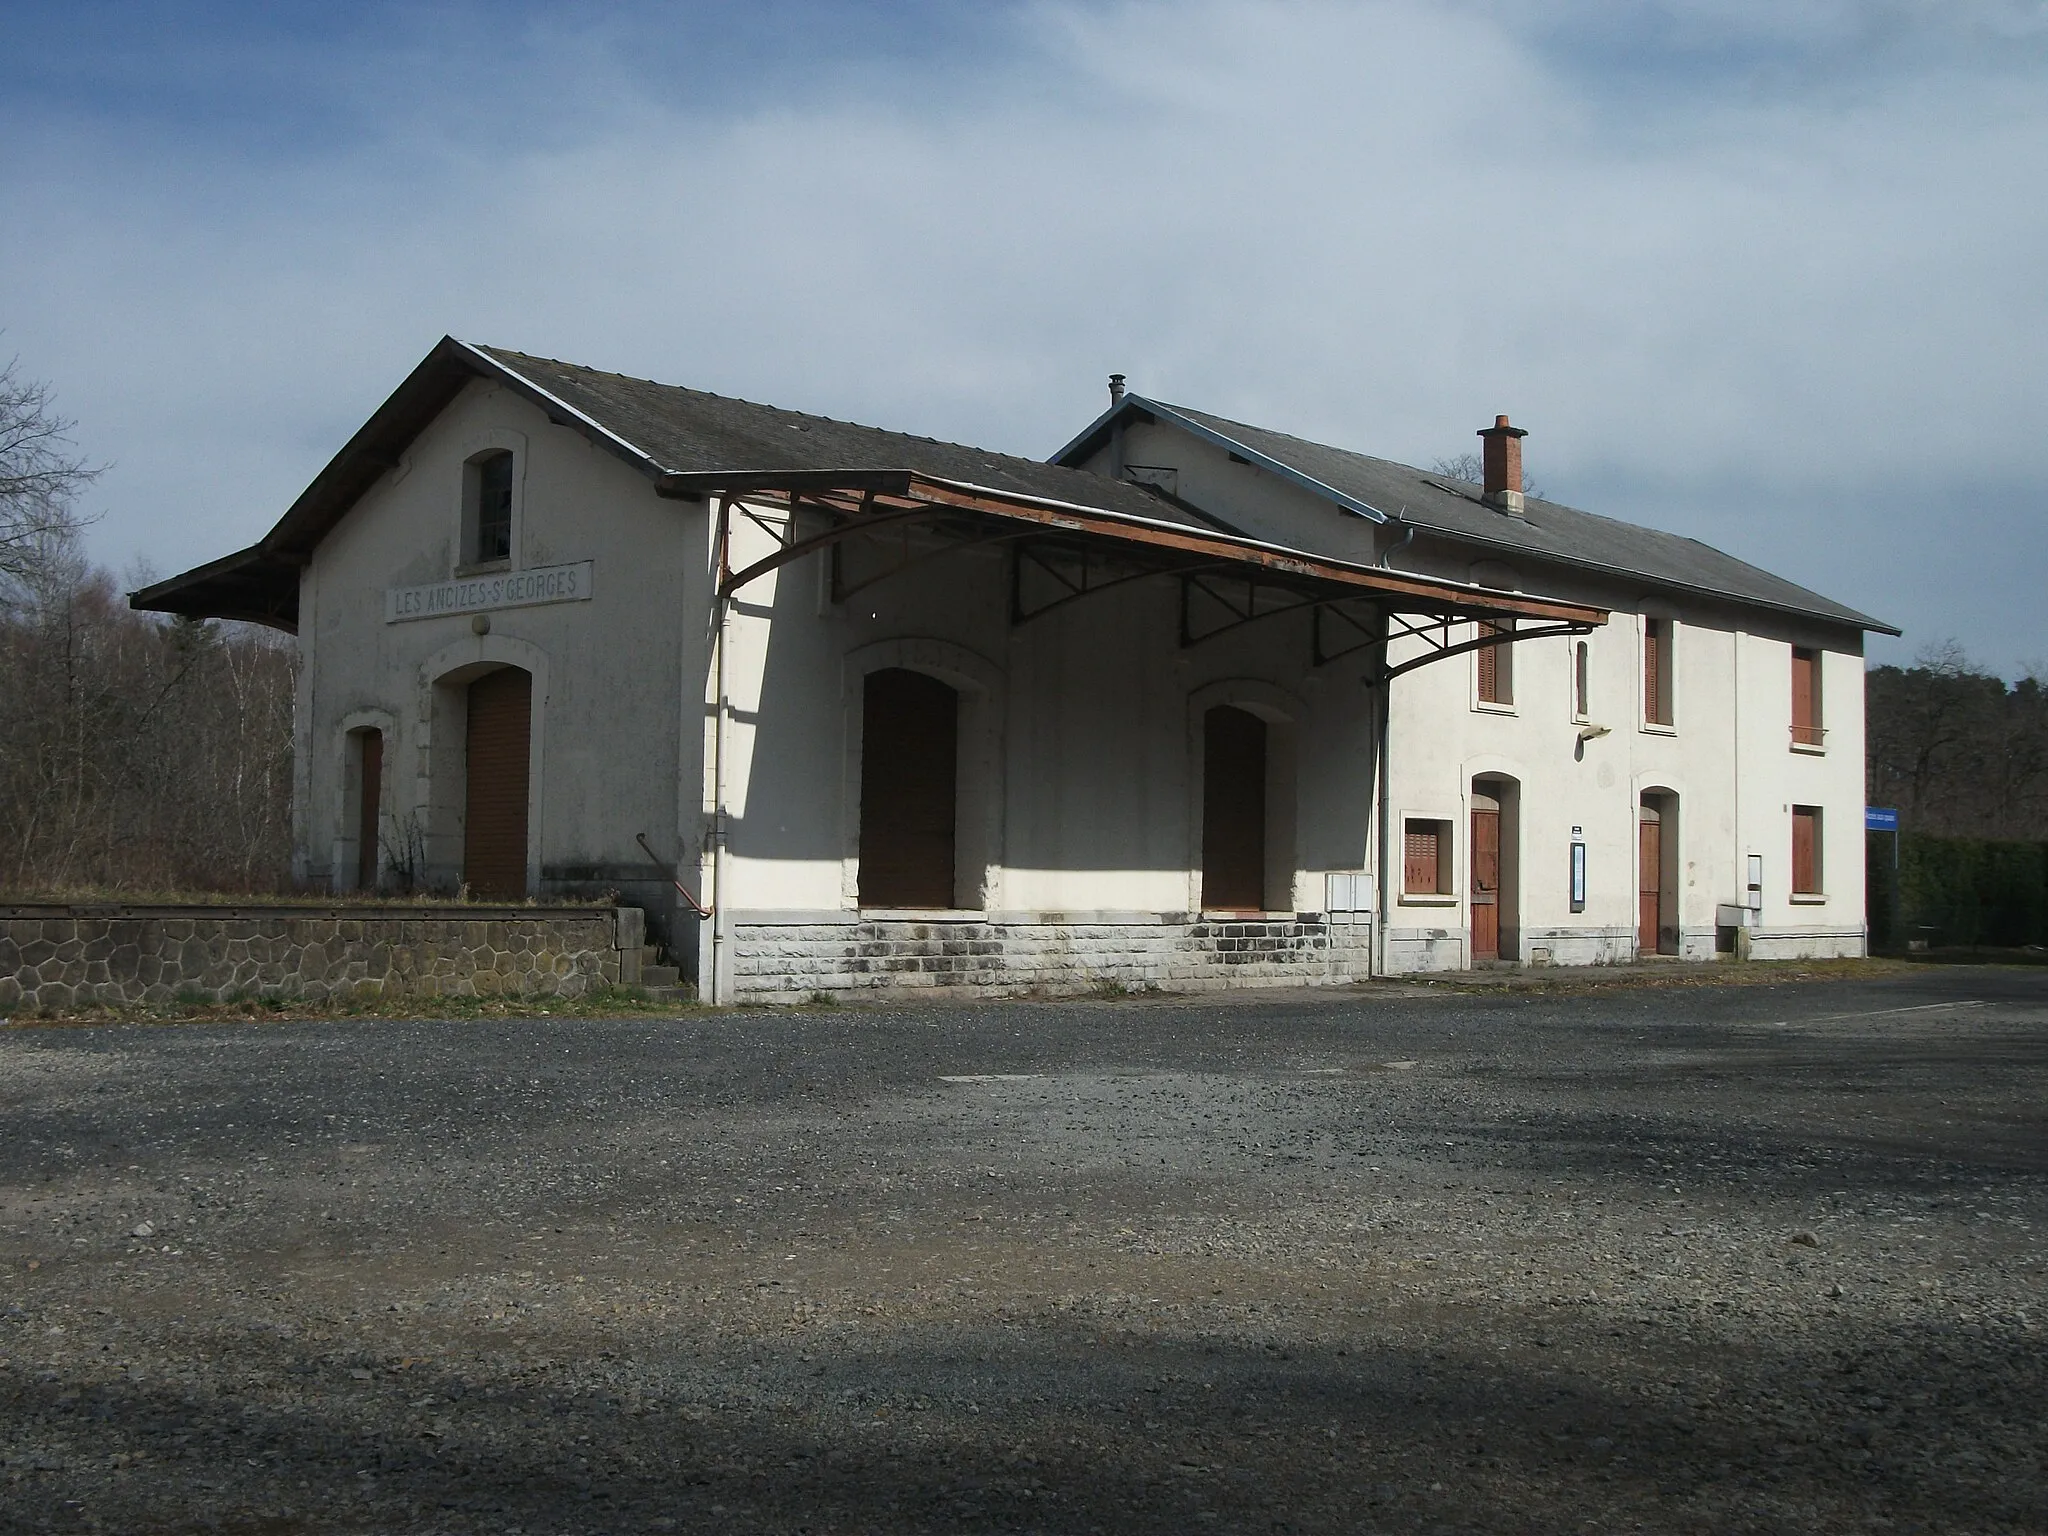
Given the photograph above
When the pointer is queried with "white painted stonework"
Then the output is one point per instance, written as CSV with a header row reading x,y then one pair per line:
x,y
1079,815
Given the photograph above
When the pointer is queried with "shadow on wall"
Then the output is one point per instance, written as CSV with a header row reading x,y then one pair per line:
x,y
1087,711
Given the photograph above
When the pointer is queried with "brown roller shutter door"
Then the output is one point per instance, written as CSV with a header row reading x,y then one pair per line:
x,y
910,747
371,792
494,823
1233,810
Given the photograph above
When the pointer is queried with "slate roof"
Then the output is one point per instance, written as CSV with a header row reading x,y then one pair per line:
x,y
687,431
668,430
1550,531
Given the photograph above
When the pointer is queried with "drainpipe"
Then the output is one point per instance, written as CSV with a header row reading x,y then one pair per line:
x,y
1387,554
721,905
1381,886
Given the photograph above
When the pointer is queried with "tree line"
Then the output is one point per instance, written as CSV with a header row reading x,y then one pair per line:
x,y
1957,750
137,753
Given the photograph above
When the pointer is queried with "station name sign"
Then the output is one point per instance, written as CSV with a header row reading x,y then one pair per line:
x,y
481,594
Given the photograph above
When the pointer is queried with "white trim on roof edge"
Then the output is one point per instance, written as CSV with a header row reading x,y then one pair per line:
x,y
1229,444
508,371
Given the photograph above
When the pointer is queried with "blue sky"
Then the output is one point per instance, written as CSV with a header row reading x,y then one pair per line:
x,y
1769,274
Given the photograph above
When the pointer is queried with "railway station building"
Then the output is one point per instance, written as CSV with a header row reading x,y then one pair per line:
x,y
1191,704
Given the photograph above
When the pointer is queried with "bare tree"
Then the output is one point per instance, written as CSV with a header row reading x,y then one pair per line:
x,y
1471,468
41,475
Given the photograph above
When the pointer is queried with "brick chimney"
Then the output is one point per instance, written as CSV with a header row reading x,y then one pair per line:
x,y
1503,465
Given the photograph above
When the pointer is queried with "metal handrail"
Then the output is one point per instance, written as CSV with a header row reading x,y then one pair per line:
x,y
681,889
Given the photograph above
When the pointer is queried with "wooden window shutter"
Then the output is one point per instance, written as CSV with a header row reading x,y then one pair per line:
x,y
1656,664
1489,668
1806,850
1806,729
1423,847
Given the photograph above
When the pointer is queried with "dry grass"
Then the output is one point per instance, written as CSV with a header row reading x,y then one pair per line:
x,y
604,1002
120,896
1564,980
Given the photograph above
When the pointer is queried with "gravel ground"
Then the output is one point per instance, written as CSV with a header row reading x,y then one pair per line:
x,y
1761,1258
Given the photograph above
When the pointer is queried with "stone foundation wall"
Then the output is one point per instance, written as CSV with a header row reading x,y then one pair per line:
x,y
64,957
787,962
1808,944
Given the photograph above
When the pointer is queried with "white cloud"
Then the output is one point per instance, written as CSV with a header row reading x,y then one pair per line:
x,y
1783,319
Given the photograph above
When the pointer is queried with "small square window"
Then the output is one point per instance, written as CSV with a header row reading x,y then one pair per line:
x,y
1426,850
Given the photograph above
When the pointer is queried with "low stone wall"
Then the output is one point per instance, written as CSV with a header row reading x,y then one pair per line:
x,y
787,962
63,956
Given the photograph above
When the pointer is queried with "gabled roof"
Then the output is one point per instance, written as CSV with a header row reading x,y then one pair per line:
x,y
700,438
690,443
1380,491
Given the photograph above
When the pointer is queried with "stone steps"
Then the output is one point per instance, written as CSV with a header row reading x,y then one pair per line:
x,y
662,983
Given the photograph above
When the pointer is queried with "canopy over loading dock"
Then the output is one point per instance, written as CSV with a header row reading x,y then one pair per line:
x,y
1075,534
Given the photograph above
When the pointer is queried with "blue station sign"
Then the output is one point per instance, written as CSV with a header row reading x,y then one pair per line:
x,y
1878,818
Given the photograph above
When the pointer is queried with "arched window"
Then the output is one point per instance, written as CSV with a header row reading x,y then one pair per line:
x,y
487,508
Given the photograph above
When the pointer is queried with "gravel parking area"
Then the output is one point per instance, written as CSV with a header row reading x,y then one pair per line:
x,y
1760,1258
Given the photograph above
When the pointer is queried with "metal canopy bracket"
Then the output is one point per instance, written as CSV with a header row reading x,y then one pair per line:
x,y
1069,552
1443,650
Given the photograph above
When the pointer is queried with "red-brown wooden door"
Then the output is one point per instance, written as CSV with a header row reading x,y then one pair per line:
x,y
1233,810
370,793
494,817
1485,885
1650,892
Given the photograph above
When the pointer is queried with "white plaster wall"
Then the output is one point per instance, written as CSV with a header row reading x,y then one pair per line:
x,y
1081,740
607,695
1728,755
1086,712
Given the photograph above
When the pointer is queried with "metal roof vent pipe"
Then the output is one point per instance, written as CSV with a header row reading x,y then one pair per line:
x,y
1503,465
1116,389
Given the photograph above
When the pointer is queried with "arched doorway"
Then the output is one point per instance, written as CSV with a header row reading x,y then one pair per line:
x,y
1494,877
909,789
497,750
367,763
1233,810
1657,873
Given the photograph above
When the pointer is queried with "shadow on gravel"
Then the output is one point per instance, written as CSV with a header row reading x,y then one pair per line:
x,y
1052,1429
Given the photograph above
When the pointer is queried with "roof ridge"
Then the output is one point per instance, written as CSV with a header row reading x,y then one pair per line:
x,y
505,353
1663,545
